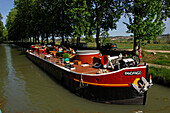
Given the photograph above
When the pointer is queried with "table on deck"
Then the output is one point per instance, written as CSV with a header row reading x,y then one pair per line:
x,y
54,53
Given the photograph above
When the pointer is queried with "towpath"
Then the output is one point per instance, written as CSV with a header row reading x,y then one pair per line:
x,y
159,66
157,51
156,65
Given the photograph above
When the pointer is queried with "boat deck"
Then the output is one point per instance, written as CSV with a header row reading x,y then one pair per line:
x,y
78,68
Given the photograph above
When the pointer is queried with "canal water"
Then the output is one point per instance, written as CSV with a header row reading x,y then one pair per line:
x,y
25,88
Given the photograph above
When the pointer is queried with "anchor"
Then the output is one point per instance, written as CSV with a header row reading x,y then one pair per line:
x,y
142,88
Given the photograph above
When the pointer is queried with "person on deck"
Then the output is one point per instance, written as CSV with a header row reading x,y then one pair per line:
x,y
71,50
60,49
56,48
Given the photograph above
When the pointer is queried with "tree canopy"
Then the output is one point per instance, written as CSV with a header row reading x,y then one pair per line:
x,y
32,19
1,26
145,19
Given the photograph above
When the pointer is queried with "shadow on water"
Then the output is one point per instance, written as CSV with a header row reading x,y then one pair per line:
x,y
24,87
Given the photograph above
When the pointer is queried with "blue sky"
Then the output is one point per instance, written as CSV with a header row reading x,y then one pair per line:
x,y
6,5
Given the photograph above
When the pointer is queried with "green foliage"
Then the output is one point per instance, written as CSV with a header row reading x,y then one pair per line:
x,y
89,39
160,75
65,55
11,23
1,27
78,15
76,18
145,19
5,34
166,4
104,38
105,14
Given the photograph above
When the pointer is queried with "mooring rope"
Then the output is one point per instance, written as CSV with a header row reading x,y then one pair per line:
x,y
81,81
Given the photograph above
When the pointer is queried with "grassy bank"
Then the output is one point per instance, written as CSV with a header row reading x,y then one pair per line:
x,y
157,47
159,58
160,75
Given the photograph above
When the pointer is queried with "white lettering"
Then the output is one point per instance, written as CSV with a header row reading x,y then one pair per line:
x,y
133,73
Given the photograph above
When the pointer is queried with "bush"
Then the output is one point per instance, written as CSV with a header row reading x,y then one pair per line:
x,y
65,55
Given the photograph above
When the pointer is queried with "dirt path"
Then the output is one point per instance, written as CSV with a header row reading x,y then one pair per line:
x,y
159,66
159,51
156,65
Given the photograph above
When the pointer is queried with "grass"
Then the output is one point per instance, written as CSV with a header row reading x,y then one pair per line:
x,y
125,45
159,58
157,47
91,44
160,75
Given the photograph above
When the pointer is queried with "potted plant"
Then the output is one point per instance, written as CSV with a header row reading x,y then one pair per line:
x,y
100,54
66,57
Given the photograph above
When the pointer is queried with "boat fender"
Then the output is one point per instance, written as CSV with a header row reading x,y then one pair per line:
x,y
150,81
146,84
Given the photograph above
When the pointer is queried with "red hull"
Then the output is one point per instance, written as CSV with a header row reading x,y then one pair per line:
x,y
112,87
112,79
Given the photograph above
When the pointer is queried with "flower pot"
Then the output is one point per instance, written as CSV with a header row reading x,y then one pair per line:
x,y
66,59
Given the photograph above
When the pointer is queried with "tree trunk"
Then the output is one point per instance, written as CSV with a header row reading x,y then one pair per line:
x,y
34,39
62,43
78,43
38,39
98,38
47,38
98,20
30,40
53,39
134,44
42,39
135,22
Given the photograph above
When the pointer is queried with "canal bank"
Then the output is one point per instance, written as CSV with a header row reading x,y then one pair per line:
x,y
24,87
160,75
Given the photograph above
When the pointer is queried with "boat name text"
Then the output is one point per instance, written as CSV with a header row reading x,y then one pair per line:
x,y
133,73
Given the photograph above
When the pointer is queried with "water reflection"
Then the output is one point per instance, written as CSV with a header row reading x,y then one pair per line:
x,y
14,88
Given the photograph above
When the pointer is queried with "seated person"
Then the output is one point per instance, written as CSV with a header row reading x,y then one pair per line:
x,y
60,49
65,50
56,48
48,50
71,50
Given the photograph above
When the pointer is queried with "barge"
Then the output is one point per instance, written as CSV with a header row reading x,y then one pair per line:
x,y
106,79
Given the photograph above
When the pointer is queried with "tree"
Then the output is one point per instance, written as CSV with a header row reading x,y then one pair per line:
x,y
105,14
145,19
78,14
10,23
64,22
166,5
5,34
94,16
104,38
1,26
